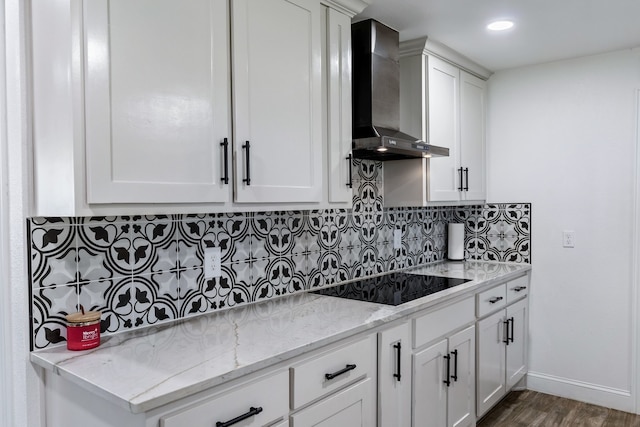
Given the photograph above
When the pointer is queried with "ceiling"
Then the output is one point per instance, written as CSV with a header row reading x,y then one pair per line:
x,y
545,30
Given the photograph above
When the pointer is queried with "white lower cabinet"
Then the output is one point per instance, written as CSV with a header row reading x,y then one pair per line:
x,y
518,316
502,353
394,377
444,366
444,382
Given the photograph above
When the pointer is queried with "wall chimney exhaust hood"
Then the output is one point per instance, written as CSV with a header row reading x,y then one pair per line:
x,y
376,97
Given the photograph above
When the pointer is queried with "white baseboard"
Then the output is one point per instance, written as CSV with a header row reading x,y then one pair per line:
x,y
621,400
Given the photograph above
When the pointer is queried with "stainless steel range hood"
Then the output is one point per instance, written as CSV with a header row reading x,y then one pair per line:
x,y
376,97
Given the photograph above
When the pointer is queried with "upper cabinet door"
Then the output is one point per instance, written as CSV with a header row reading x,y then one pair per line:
x,y
472,135
156,100
443,128
277,102
338,80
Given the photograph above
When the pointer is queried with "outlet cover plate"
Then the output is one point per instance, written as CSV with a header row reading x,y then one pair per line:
x,y
397,238
568,239
212,261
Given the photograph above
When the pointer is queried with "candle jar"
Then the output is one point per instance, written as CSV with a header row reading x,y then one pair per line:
x,y
83,330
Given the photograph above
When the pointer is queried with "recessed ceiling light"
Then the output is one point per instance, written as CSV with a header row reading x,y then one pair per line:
x,y
500,25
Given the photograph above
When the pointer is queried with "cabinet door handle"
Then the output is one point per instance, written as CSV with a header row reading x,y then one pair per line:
x,y
247,147
510,337
519,288
349,165
495,300
340,372
398,348
505,323
455,365
252,411
460,172
448,381
466,179
225,149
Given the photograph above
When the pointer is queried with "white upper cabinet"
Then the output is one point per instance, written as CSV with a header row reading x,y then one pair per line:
x,y
472,136
445,105
443,129
156,100
338,82
277,100
164,106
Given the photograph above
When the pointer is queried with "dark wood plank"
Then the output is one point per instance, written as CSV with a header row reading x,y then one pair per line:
x,y
531,409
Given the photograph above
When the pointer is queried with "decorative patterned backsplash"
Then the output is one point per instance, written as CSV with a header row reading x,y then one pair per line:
x,y
143,270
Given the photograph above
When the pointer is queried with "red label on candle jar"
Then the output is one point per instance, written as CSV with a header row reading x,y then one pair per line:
x,y
83,336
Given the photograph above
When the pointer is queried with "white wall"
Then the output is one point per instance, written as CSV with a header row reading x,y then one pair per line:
x,y
563,137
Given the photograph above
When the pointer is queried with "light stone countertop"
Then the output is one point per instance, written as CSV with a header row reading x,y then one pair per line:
x,y
143,369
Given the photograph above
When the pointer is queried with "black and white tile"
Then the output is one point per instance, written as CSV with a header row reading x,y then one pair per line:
x,y
145,270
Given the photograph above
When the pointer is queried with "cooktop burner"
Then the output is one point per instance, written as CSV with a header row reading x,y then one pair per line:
x,y
392,288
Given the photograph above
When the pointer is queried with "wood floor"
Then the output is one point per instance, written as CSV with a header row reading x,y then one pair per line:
x,y
529,408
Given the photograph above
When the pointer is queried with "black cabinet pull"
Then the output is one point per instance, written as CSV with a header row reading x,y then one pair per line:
x,y
447,381
398,348
505,323
495,300
252,411
455,365
340,372
460,172
349,165
466,179
519,288
225,148
247,180
510,336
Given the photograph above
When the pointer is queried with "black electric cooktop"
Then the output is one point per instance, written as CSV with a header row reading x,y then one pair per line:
x,y
392,288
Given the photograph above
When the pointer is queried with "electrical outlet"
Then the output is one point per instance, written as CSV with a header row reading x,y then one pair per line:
x,y
568,239
212,261
397,238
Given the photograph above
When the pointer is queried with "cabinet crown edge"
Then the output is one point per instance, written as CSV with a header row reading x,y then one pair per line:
x,y
348,7
427,46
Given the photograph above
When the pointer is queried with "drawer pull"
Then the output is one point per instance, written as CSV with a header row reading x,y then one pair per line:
x,y
349,163
455,365
448,359
495,300
247,165
506,331
398,347
225,146
510,337
340,372
466,182
519,288
252,411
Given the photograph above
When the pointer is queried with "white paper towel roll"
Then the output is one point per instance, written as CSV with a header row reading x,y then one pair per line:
x,y
455,248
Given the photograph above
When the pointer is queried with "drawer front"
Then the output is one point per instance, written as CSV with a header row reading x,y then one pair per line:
x,y
351,407
438,323
309,378
517,288
269,396
492,300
